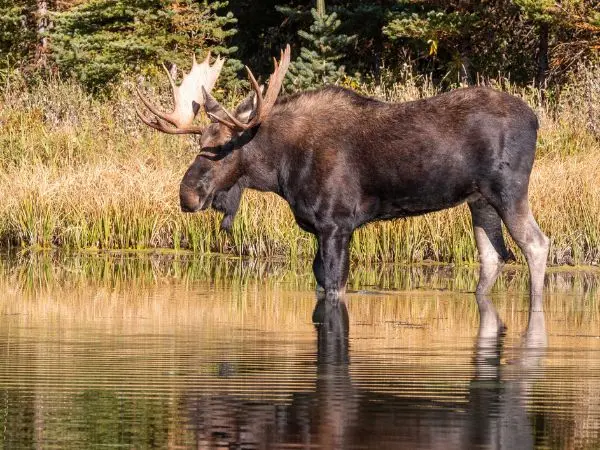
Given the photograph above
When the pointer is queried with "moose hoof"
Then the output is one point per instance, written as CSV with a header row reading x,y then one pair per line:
x,y
334,295
320,292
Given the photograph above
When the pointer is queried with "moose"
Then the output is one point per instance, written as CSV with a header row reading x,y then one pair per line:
x,y
342,160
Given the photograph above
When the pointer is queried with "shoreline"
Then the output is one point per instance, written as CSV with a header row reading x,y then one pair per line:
x,y
7,254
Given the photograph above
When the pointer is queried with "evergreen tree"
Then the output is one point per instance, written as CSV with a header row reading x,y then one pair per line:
x,y
100,39
366,19
455,39
23,31
16,34
567,33
522,39
319,60
260,33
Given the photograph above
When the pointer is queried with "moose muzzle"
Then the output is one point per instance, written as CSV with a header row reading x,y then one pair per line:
x,y
188,199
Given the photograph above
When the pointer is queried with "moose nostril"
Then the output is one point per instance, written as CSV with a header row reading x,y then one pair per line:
x,y
187,208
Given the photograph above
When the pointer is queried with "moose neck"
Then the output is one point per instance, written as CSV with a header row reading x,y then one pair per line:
x,y
261,161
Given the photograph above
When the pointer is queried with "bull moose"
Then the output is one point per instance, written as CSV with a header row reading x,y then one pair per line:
x,y
342,160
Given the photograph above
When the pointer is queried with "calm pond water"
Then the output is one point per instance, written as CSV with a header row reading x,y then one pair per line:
x,y
180,352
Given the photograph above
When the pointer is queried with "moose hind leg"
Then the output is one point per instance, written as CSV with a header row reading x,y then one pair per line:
x,y
487,227
533,243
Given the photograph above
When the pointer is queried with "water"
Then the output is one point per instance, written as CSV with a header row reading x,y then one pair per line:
x,y
178,352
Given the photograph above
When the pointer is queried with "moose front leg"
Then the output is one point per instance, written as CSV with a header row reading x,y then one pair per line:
x,y
319,272
332,262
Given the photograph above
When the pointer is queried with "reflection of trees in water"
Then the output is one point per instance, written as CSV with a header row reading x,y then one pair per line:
x,y
502,407
338,414
17,419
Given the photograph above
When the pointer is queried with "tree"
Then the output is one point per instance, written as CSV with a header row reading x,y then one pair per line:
x,y
100,40
265,26
23,31
16,36
457,40
319,61
524,39
567,33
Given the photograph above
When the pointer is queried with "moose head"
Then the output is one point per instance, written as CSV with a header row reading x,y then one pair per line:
x,y
212,179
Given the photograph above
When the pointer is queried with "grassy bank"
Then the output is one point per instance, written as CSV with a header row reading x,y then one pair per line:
x,y
81,173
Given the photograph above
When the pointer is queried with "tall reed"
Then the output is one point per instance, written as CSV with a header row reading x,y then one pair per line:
x,y
82,173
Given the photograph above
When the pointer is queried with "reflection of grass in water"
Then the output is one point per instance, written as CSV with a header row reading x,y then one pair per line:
x,y
182,287
32,271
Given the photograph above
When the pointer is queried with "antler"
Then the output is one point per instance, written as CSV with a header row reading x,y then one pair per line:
x,y
188,98
265,104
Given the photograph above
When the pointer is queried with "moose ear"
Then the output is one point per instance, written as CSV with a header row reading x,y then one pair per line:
x,y
247,108
210,104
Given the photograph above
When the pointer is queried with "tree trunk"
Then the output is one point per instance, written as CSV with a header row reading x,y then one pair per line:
x,y
542,57
43,25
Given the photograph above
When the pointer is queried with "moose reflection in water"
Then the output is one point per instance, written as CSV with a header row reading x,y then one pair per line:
x,y
338,413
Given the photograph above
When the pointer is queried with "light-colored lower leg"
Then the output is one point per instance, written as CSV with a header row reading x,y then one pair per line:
x,y
536,336
536,253
535,246
490,323
335,294
490,261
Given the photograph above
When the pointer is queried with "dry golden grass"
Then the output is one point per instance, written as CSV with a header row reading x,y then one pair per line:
x,y
80,173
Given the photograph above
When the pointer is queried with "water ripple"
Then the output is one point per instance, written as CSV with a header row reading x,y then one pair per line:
x,y
239,364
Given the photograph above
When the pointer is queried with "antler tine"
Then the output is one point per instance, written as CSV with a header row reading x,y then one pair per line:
x,y
263,104
160,126
186,95
171,80
266,103
235,123
153,109
257,89
234,120
225,122
275,82
151,123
